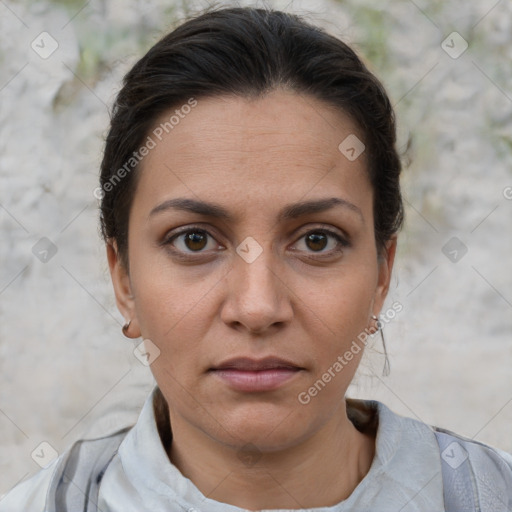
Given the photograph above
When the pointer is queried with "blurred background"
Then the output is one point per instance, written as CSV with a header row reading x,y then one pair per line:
x,y
66,370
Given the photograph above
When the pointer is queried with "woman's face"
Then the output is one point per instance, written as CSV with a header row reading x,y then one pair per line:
x,y
269,253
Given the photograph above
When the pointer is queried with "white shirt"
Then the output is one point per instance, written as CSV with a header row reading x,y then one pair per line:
x,y
405,474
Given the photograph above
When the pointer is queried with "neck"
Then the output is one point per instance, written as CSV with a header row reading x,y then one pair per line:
x,y
320,471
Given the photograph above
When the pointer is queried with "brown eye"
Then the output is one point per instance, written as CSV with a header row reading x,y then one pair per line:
x,y
192,240
195,240
316,241
322,241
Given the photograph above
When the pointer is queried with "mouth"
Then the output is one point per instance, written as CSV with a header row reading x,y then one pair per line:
x,y
252,375
255,365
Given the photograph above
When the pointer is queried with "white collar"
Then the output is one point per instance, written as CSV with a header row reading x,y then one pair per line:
x,y
405,474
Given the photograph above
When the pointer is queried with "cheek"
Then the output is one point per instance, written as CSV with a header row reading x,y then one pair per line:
x,y
172,311
346,296
343,307
344,312
165,293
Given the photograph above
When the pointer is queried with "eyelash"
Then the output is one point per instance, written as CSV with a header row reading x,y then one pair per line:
x,y
342,242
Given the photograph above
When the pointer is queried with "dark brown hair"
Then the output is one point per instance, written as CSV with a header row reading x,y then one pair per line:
x,y
247,52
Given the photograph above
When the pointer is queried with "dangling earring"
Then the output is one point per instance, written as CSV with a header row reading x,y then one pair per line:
x,y
126,327
386,370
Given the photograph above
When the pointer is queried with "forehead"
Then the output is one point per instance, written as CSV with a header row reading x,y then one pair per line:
x,y
283,146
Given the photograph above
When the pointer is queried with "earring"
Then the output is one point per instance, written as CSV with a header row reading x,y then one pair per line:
x,y
126,327
386,369
379,323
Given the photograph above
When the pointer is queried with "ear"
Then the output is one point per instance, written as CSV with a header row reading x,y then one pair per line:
x,y
122,289
385,262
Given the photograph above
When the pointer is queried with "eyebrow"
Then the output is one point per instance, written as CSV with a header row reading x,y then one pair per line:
x,y
291,211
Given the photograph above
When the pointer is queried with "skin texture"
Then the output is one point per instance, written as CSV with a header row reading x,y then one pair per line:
x,y
254,157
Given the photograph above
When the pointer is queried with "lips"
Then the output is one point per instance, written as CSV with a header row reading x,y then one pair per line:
x,y
254,365
244,374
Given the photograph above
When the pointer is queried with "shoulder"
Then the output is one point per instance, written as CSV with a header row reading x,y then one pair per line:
x,y
476,476
31,493
83,464
461,463
451,444
455,449
484,460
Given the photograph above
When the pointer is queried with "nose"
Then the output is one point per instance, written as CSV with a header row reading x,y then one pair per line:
x,y
257,297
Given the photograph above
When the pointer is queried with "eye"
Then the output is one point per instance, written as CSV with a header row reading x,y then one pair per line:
x,y
195,240
318,240
191,240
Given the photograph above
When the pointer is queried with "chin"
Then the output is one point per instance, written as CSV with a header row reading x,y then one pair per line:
x,y
268,426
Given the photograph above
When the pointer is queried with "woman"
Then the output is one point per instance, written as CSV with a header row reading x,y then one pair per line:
x,y
250,205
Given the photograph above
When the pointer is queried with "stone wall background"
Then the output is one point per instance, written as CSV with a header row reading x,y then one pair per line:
x,y
66,371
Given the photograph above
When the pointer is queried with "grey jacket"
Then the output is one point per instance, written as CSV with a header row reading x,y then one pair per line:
x,y
417,467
